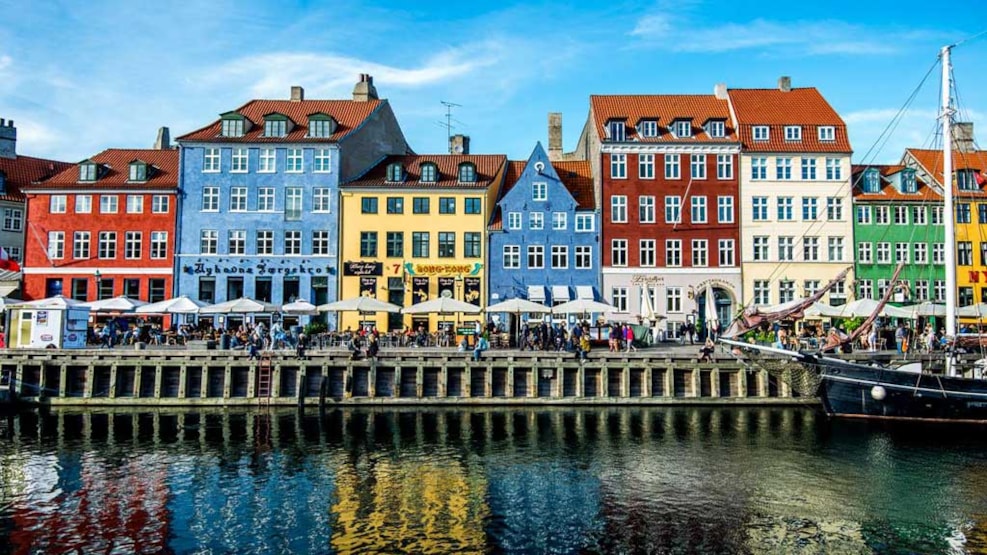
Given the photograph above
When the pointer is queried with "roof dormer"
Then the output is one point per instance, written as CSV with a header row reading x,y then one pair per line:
x,y
3,183
616,130
429,172
138,171
467,172
872,181
793,133
682,128
233,124
647,128
88,171
716,128
395,172
277,125
321,125
905,181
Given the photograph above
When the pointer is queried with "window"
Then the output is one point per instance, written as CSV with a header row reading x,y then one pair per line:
x,y
922,253
160,204
467,173
512,257
239,162
208,242
232,127
159,245
471,244
615,130
265,199
513,220
323,158
646,166
864,253
87,172
429,173
937,217
725,254
921,290
863,214
964,253
834,170
471,205
963,213
321,199
536,257
584,257
559,220
210,199
265,241
238,199
981,213
834,208
760,248
536,220
108,204
697,167
760,208
872,181
901,215
698,207
293,203
983,253
938,253
648,128
810,209
560,257
901,252
965,297
395,205
83,204
646,251
810,249
56,244
80,245
760,133
673,252
673,210
762,291
447,205
585,223
132,245
785,209
683,129
759,168
293,243
883,253
783,168
827,133
320,127
939,287
57,204
275,127
268,161
700,256
237,241
420,244
138,172
908,183
808,169
368,244
965,180
210,160
673,300
618,252
793,133
835,249
80,289
320,242
618,209
618,298
420,205
786,248
786,291
646,209
618,166
881,215
724,210
865,289
395,173
724,166
810,286
539,191
294,161
716,129
13,219
673,166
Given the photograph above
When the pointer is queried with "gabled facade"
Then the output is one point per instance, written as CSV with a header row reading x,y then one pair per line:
x,y
413,229
668,174
797,232
544,233
104,227
259,208
897,219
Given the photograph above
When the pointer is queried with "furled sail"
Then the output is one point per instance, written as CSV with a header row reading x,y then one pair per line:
x,y
836,339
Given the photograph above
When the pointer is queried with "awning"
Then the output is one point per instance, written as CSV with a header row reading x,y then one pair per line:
x,y
8,288
585,292
536,293
560,293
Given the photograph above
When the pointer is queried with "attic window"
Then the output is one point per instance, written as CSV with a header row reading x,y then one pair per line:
x,y
793,133
649,128
321,126
232,126
716,129
966,180
275,126
467,173
138,171
908,184
683,129
395,173
761,133
827,133
3,182
430,173
87,171
616,130
872,181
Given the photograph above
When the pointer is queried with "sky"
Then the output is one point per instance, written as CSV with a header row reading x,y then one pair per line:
x,y
79,77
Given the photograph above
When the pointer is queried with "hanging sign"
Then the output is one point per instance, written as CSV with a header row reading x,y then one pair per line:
x,y
359,268
368,287
471,290
419,289
447,286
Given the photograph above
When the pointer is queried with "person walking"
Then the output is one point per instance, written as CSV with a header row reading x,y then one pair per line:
x,y
899,337
629,338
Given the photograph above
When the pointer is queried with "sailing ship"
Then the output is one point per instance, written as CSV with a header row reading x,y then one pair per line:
x,y
909,391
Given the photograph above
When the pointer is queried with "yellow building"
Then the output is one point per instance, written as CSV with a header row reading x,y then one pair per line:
x,y
413,229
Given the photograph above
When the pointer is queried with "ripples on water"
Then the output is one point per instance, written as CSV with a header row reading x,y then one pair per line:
x,y
662,480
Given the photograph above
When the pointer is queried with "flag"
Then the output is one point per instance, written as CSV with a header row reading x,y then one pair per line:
x,y
981,178
8,263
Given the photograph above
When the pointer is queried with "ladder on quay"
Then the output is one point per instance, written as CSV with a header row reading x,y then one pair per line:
x,y
265,375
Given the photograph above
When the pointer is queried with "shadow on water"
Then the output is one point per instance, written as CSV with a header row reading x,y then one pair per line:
x,y
564,480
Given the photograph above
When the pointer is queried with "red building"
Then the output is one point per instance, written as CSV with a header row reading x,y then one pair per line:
x,y
669,181
104,227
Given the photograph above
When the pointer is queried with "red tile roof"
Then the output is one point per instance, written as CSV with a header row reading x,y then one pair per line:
x,y
665,108
888,192
804,107
115,172
931,162
349,114
514,170
21,171
577,176
488,168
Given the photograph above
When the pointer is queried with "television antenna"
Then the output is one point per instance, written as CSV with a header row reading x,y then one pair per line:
x,y
448,122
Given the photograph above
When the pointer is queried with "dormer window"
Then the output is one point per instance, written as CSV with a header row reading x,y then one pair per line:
x,y
138,171
616,130
395,173
761,133
321,126
966,180
3,183
827,133
683,129
872,181
648,128
467,173
716,129
430,173
87,171
232,125
275,125
908,183
793,133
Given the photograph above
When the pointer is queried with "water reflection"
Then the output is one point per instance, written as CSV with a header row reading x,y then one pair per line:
x,y
737,480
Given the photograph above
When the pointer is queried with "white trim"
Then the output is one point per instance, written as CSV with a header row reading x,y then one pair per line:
x,y
43,191
657,148
213,257
610,270
103,271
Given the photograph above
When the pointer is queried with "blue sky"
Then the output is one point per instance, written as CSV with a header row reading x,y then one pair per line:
x,y
78,77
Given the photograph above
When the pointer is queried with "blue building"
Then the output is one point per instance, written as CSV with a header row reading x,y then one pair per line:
x,y
259,194
544,233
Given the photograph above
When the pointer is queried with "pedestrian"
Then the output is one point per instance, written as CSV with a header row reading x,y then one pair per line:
x,y
584,347
899,337
482,344
629,337
300,346
690,329
373,346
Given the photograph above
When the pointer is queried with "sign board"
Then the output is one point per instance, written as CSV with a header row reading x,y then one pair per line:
x,y
359,268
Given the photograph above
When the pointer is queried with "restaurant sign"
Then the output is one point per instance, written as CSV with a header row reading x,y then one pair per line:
x,y
258,267
360,268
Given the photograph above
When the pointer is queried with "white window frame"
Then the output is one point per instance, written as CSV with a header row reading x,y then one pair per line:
x,y
827,133
585,223
584,257
109,204
83,204
58,204
539,191
793,133
322,162
56,245
267,161
160,204
673,166
322,200
618,166
646,209
618,209
159,245
726,253
646,166
560,221
514,220
238,199
724,210
724,166
618,253
673,209
240,160
560,257
294,160
761,133
512,257
536,257
697,210
697,166
211,160
700,253
132,245
536,220
647,253
673,253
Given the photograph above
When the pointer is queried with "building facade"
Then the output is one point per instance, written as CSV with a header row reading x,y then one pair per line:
x,y
259,211
797,232
413,229
104,227
545,233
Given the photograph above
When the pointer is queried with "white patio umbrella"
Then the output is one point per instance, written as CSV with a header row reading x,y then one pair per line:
x,y
58,301
518,306
299,308
711,317
7,301
582,306
178,305
978,310
243,305
442,305
863,308
359,304
116,304
928,308
822,309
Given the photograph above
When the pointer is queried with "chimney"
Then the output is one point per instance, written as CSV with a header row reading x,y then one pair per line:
x,y
963,136
297,94
555,136
459,144
785,83
8,139
720,91
164,139
364,89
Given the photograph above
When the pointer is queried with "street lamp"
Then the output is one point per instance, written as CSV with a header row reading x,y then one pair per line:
x,y
96,276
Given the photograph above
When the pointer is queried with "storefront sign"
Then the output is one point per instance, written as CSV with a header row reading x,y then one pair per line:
x,y
715,283
425,269
975,276
259,267
471,290
359,268
368,287
419,289
646,279
447,286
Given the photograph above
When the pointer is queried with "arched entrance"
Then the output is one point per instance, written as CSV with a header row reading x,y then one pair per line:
x,y
723,307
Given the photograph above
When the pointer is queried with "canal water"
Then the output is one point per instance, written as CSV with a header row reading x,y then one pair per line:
x,y
542,480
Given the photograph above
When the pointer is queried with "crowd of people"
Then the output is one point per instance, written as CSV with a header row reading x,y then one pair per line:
x,y
556,337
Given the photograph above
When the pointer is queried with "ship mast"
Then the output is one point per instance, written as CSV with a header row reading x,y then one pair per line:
x,y
948,210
